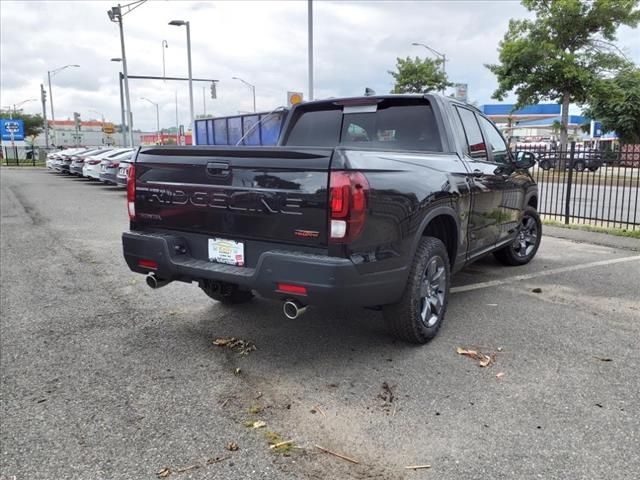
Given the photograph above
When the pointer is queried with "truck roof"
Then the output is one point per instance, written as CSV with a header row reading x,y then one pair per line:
x,y
373,98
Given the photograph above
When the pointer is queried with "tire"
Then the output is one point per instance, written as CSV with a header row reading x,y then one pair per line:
x,y
579,166
526,244
419,314
593,169
227,293
545,164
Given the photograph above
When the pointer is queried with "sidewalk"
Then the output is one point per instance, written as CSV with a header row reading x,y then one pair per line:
x,y
596,238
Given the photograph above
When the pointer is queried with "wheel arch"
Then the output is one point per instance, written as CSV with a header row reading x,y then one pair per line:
x,y
441,223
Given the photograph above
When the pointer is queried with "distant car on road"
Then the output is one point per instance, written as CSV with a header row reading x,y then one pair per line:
x,y
588,159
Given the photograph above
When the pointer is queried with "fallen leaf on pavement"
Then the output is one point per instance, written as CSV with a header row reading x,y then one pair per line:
x,y
259,424
237,371
483,359
537,290
232,446
242,347
499,375
163,473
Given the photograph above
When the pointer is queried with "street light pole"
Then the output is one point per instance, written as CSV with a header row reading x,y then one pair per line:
x,y
123,123
52,73
164,45
159,138
435,52
253,90
310,46
180,23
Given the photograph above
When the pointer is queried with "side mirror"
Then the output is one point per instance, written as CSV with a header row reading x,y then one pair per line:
x,y
525,160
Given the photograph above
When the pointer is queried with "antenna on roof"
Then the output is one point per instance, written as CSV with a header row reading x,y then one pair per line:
x,y
369,92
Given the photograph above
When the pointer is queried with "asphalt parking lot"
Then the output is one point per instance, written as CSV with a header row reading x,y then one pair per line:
x,y
103,378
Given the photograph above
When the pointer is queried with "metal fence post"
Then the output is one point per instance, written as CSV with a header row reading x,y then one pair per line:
x,y
567,209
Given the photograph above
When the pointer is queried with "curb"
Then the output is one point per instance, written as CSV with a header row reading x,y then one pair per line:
x,y
595,238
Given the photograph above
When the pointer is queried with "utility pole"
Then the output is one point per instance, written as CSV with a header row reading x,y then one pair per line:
x,y
177,121
204,101
124,123
43,97
115,15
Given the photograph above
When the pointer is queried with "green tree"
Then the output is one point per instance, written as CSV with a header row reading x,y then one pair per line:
x,y
615,102
418,75
33,124
563,52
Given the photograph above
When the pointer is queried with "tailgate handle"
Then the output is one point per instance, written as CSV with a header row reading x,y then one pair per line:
x,y
218,169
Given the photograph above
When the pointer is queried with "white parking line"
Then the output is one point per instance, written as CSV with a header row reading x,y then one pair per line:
x,y
553,271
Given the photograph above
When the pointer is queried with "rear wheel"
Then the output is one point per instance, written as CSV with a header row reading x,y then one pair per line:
x,y
545,164
526,243
579,166
418,316
227,293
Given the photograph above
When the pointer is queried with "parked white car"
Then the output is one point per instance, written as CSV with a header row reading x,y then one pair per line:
x,y
53,157
91,168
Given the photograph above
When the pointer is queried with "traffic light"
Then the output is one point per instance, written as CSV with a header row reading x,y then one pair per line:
x,y
213,90
77,121
43,93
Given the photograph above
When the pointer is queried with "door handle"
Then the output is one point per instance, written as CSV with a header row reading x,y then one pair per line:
x,y
218,168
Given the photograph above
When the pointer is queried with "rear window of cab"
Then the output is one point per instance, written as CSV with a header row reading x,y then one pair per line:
x,y
407,124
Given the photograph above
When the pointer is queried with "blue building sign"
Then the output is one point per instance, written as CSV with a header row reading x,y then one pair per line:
x,y
12,130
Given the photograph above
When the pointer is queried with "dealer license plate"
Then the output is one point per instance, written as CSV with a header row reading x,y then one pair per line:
x,y
226,251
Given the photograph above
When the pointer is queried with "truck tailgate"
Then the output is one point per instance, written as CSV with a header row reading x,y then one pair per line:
x,y
240,193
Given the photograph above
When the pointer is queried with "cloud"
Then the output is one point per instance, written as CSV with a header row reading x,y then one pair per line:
x,y
263,42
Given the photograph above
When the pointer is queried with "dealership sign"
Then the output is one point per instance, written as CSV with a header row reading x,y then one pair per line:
x,y
12,130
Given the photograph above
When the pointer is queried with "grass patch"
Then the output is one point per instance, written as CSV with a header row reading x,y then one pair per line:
x,y
620,232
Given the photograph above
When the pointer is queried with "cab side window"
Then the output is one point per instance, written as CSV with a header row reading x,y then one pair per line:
x,y
498,146
476,147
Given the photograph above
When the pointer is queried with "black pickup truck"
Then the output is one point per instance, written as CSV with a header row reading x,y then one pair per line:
x,y
368,201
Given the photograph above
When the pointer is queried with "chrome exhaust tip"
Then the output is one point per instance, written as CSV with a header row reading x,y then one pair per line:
x,y
292,309
155,282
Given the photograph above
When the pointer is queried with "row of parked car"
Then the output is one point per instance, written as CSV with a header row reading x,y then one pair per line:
x,y
108,165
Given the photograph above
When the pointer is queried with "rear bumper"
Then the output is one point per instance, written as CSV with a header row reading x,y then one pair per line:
x,y
109,177
328,280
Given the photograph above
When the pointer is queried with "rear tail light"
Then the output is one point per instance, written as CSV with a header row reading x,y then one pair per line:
x,y
288,288
93,162
131,192
348,205
113,165
148,264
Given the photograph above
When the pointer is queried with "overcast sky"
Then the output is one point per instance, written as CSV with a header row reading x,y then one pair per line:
x,y
264,42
